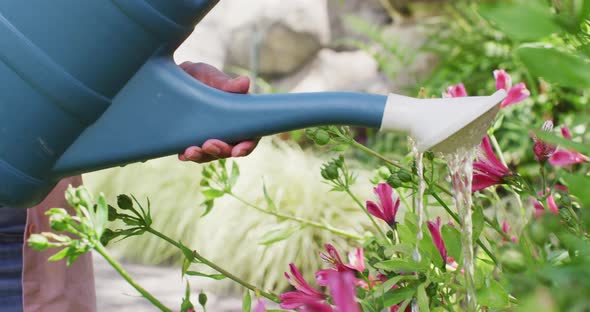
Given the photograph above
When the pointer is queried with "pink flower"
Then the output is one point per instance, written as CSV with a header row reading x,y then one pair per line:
x,y
305,293
333,259
343,292
455,91
540,209
434,228
388,208
515,94
567,157
487,170
356,261
260,307
542,149
506,229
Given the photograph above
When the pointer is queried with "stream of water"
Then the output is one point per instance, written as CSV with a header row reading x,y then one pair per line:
x,y
460,166
419,202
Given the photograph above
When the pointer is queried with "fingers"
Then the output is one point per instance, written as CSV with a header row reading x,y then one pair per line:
x,y
243,148
214,78
210,150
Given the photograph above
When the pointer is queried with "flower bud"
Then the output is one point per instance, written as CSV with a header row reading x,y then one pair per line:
x,y
202,299
321,137
330,172
71,197
38,242
404,175
59,222
394,181
124,202
85,197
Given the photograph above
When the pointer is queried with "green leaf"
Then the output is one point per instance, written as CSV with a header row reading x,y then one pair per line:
x,y
246,302
422,298
395,296
102,215
579,186
213,276
208,207
212,193
270,204
278,235
521,21
555,65
478,222
452,239
186,263
187,252
59,255
493,295
235,173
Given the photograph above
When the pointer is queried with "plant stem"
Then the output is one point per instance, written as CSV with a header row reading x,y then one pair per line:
x,y
100,249
217,268
297,219
358,202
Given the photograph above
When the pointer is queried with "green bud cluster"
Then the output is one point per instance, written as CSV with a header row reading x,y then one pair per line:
x,y
330,170
318,136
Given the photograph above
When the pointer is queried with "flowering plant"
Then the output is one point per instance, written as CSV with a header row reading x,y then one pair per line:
x,y
532,248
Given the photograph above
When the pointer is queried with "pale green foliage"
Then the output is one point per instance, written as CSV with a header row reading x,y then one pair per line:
x,y
231,233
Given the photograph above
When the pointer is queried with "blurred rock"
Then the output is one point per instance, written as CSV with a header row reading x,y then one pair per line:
x,y
286,33
337,71
340,10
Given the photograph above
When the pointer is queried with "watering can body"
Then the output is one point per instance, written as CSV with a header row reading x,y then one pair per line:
x,y
86,86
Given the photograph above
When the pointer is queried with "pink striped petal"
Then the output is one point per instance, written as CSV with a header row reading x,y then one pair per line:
x,y
456,91
343,292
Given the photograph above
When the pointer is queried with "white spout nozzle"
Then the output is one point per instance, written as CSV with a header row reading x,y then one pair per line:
x,y
444,124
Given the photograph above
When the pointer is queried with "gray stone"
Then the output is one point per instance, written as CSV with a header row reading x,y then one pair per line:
x,y
336,71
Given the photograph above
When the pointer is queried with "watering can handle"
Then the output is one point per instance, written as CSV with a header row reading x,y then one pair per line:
x,y
162,110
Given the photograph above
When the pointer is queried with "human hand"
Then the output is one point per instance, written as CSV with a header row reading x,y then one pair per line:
x,y
215,149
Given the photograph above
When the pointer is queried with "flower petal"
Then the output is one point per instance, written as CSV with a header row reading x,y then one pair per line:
x,y
565,158
516,94
503,79
565,131
375,210
343,292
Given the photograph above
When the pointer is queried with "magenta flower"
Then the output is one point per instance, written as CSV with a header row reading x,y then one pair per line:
x,y
542,149
388,208
540,209
434,228
567,157
332,258
316,307
343,292
515,94
455,91
305,294
488,170
260,306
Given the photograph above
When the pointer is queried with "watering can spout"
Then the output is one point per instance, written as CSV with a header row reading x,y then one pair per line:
x,y
162,110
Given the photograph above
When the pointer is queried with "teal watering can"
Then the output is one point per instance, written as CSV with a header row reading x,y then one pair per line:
x,y
92,84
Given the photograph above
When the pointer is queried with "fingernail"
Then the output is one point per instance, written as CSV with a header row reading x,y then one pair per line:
x,y
214,150
193,155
